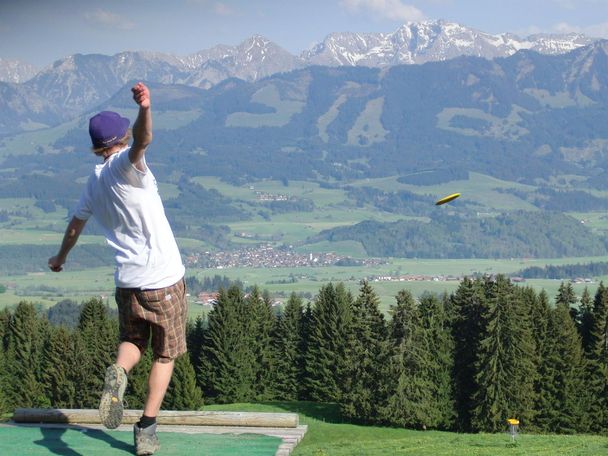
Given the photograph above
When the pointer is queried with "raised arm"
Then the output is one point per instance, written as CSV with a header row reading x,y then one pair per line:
x,y
142,128
70,238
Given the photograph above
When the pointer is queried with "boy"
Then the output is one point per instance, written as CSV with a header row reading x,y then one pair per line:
x,y
122,195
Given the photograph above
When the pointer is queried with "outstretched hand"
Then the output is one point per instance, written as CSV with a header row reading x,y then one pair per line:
x,y
141,95
56,263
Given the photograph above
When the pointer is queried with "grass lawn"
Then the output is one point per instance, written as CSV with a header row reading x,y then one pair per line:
x,y
328,436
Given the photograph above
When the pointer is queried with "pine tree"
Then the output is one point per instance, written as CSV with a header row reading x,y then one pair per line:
x,y
24,354
368,357
5,318
81,373
261,322
585,315
410,400
328,342
469,305
566,295
228,365
435,321
540,312
5,406
195,335
287,344
505,361
57,368
99,337
596,354
597,339
305,333
183,392
561,398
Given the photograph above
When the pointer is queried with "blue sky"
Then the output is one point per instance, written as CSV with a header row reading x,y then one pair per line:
x,y
41,31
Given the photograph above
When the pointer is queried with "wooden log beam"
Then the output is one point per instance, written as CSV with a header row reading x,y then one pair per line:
x,y
194,418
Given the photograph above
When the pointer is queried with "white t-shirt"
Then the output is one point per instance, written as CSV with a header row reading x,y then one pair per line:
x,y
126,203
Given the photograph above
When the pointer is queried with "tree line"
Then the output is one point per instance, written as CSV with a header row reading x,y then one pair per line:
x,y
593,269
467,361
519,234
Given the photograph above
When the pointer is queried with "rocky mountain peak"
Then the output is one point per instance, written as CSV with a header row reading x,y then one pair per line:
x,y
16,71
436,40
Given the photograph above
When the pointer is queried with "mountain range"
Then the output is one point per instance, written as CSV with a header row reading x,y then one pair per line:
x,y
529,125
77,83
528,118
16,71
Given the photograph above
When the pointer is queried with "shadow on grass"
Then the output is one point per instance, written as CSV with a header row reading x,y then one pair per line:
x,y
327,411
54,425
52,440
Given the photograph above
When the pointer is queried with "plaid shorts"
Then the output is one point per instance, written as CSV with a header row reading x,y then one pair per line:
x,y
161,313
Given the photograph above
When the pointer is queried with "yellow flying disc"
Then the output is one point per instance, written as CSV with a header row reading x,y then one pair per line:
x,y
447,199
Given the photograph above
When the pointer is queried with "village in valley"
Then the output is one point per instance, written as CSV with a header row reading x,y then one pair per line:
x,y
267,256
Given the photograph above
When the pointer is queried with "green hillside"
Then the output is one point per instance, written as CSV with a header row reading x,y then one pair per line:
x,y
327,435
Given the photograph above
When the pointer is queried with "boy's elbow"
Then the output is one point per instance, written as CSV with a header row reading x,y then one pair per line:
x,y
146,141
142,141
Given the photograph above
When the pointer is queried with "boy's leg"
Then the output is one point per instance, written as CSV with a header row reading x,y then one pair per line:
x,y
135,331
168,309
144,432
111,405
128,356
115,384
158,382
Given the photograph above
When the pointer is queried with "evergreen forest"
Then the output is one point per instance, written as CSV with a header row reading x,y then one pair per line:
x,y
466,361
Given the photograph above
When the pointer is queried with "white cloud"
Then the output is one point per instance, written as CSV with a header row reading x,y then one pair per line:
x,y
530,30
388,9
109,20
595,31
564,27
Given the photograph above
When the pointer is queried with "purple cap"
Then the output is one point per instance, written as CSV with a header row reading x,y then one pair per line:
x,y
107,128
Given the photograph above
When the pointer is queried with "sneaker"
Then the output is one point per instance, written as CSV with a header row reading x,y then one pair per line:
x,y
145,439
111,404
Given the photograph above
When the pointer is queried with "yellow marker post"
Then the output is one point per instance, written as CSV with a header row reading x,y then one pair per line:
x,y
513,428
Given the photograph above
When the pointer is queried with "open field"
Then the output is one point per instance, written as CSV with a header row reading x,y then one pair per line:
x,y
597,221
292,228
25,143
327,435
299,189
41,237
47,288
30,225
478,189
